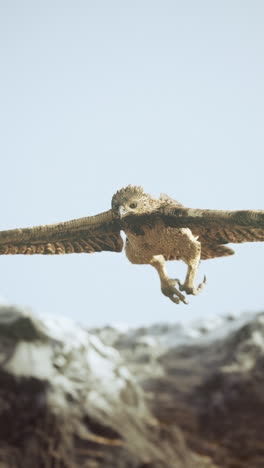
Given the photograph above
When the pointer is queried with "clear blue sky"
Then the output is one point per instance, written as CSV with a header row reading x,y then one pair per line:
x,y
97,95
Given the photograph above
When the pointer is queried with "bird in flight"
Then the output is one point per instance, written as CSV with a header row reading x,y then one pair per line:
x,y
156,229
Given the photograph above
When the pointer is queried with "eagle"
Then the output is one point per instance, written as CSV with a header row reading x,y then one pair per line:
x,y
156,230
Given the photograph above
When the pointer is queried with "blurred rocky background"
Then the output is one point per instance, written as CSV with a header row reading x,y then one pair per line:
x,y
164,396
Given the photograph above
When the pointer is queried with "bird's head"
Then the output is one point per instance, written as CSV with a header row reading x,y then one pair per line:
x,y
131,200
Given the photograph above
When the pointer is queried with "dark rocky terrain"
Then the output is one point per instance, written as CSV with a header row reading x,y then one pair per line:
x,y
164,396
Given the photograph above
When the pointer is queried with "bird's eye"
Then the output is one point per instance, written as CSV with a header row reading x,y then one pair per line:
x,y
133,205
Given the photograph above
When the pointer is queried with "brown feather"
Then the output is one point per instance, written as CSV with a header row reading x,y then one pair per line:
x,y
217,226
212,251
85,235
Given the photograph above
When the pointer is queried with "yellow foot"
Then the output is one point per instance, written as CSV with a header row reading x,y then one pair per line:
x,y
169,290
191,289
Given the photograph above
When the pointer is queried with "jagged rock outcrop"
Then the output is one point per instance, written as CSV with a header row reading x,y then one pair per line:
x,y
164,396
208,378
67,400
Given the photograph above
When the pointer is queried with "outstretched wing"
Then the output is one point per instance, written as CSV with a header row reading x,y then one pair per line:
x,y
214,250
91,234
217,227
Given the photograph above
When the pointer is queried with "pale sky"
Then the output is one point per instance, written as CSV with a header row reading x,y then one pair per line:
x,y
96,95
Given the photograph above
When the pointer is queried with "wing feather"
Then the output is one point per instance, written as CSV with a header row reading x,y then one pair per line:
x,y
215,250
217,226
90,234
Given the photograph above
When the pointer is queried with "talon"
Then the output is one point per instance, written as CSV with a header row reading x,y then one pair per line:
x,y
185,301
192,289
181,286
174,299
202,285
169,290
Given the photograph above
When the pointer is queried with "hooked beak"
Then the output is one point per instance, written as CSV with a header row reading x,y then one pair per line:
x,y
122,212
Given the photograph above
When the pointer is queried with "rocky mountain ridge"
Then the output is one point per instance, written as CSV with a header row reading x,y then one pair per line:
x,y
164,396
